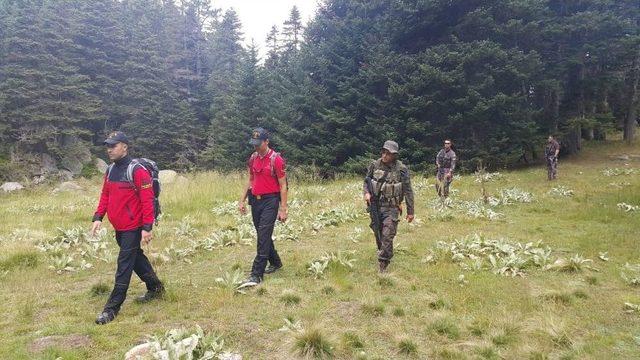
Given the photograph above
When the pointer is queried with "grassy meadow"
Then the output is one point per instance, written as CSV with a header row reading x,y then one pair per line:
x,y
463,284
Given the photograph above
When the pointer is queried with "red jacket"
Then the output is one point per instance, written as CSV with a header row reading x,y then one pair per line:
x,y
128,207
264,179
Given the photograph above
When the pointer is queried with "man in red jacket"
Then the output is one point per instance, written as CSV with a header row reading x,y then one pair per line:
x,y
129,206
267,192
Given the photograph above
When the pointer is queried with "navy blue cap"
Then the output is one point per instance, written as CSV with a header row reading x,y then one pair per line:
x,y
258,136
116,137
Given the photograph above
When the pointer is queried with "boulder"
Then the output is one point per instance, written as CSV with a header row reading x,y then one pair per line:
x,y
167,176
68,186
141,351
101,165
182,180
76,154
622,157
47,164
39,179
11,186
65,175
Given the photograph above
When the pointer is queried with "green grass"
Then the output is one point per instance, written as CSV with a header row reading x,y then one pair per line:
x,y
543,314
23,259
352,341
312,343
407,347
446,327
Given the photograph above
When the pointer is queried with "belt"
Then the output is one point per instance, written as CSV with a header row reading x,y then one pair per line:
x,y
267,196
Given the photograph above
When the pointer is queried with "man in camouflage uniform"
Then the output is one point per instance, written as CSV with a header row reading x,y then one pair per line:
x,y
387,184
446,163
551,152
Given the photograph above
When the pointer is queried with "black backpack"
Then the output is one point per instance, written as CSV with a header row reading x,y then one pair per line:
x,y
151,167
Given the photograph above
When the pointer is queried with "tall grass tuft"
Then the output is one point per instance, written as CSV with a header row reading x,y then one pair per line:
x,y
313,344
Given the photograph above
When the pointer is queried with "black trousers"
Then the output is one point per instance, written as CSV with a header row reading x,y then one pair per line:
x,y
131,259
265,212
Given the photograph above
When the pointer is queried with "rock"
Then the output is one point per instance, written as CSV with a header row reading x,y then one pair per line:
x,y
37,180
11,186
621,157
76,154
68,186
141,351
229,356
167,176
101,165
47,164
72,165
65,175
61,342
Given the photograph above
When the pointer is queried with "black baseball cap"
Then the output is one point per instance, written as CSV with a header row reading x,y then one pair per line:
x,y
258,136
116,137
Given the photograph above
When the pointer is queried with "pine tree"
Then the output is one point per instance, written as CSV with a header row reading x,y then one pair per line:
x,y
162,125
227,134
46,103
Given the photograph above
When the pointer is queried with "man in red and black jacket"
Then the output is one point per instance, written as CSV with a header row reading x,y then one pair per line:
x,y
267,192
129,206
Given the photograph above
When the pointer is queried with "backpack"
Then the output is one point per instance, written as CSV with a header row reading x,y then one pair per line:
x,y
151,167
272,165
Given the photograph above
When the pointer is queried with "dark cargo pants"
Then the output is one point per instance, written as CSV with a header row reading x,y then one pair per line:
x,y
131,259
265,212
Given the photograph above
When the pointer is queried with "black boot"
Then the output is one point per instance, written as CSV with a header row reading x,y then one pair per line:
x,y
155,289
106,316
272,268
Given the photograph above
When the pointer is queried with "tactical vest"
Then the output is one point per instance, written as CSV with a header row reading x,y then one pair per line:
x,y
388,188
445,158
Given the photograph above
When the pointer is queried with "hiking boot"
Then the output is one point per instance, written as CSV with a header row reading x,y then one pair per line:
x,y
150,295
253,280
105,317
382,266
272,268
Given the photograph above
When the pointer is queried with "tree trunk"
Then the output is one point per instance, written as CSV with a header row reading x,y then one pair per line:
x,y
571,142
632,110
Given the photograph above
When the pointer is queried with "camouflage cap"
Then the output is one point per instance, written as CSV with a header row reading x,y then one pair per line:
x,y
391,146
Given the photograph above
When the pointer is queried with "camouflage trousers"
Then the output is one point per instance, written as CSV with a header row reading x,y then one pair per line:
x,y
389,218
552,168
442,185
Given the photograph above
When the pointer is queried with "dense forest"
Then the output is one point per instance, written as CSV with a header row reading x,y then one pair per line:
x,y
496,76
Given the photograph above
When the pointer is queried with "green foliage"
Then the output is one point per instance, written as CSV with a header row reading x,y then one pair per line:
x,y
407,347
313,344
100,289
446,327
290,298
497,77
352,341
373,309
25,259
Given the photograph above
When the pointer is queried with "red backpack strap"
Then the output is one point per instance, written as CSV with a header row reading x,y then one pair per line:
x,y
252,158
272,161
